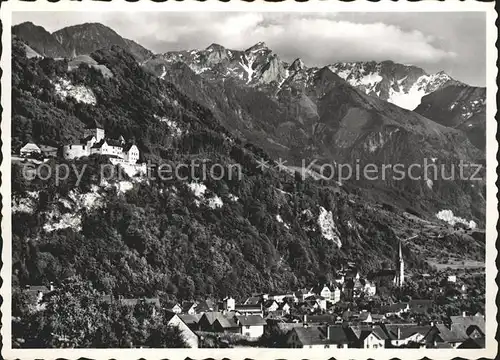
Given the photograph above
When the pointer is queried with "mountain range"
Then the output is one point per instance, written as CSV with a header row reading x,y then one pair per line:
x,y
242,106
403,85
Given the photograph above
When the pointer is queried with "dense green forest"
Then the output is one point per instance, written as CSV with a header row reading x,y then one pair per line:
x,y
159,238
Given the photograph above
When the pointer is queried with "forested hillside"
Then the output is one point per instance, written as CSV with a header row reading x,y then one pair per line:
x,y
181,239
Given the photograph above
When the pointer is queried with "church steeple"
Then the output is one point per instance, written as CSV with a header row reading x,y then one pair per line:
x,y
400,267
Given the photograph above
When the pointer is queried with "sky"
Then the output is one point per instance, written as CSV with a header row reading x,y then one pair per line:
x,y
454,41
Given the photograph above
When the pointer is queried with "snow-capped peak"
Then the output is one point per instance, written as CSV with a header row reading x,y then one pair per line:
x,y
257,47
403,85
297,65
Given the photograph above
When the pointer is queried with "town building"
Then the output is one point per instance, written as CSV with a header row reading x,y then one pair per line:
x,y
307,337
228,304
35,296
173,307
30,149
439,334
323,291
249,309
317,337
191,320
251,325
189,307
191,339
270,306
366,337
206,306
401,335
216,322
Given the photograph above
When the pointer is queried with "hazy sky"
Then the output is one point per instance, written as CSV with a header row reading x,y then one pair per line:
x,y
453,42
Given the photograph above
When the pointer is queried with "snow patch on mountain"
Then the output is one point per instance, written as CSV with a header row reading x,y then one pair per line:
x,y
163,73
407,100
248,67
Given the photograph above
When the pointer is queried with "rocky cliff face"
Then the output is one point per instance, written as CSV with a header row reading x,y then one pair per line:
x,y
458,106
39,39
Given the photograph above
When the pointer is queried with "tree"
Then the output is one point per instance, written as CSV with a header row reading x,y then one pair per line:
x,y
163,335
71,317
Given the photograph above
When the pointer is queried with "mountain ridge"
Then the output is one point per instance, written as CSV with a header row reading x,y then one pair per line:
x,y
403,85
71,41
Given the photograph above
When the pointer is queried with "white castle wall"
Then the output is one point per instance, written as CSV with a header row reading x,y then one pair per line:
x,y
75,151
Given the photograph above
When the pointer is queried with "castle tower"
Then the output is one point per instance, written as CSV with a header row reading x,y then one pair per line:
x,y
400,268
95,129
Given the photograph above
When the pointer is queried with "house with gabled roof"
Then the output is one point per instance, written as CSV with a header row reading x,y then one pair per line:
x,y
270,305
317,301
214,321
285,308
191,320
172,306
319,337
454,335
399,335
251,325
311,337
206,306
302,294
467,321
35,294
365,317
172,319
396,309
323,291
253,300
189,307
337,337
30,148
366,337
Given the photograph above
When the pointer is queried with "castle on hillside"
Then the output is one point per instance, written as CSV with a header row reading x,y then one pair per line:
x,y
95,142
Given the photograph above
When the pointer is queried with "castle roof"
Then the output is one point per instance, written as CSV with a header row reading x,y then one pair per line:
x,y
110,142
86,139
94,124
128,146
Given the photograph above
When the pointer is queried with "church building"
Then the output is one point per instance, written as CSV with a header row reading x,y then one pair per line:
x,y
396,275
